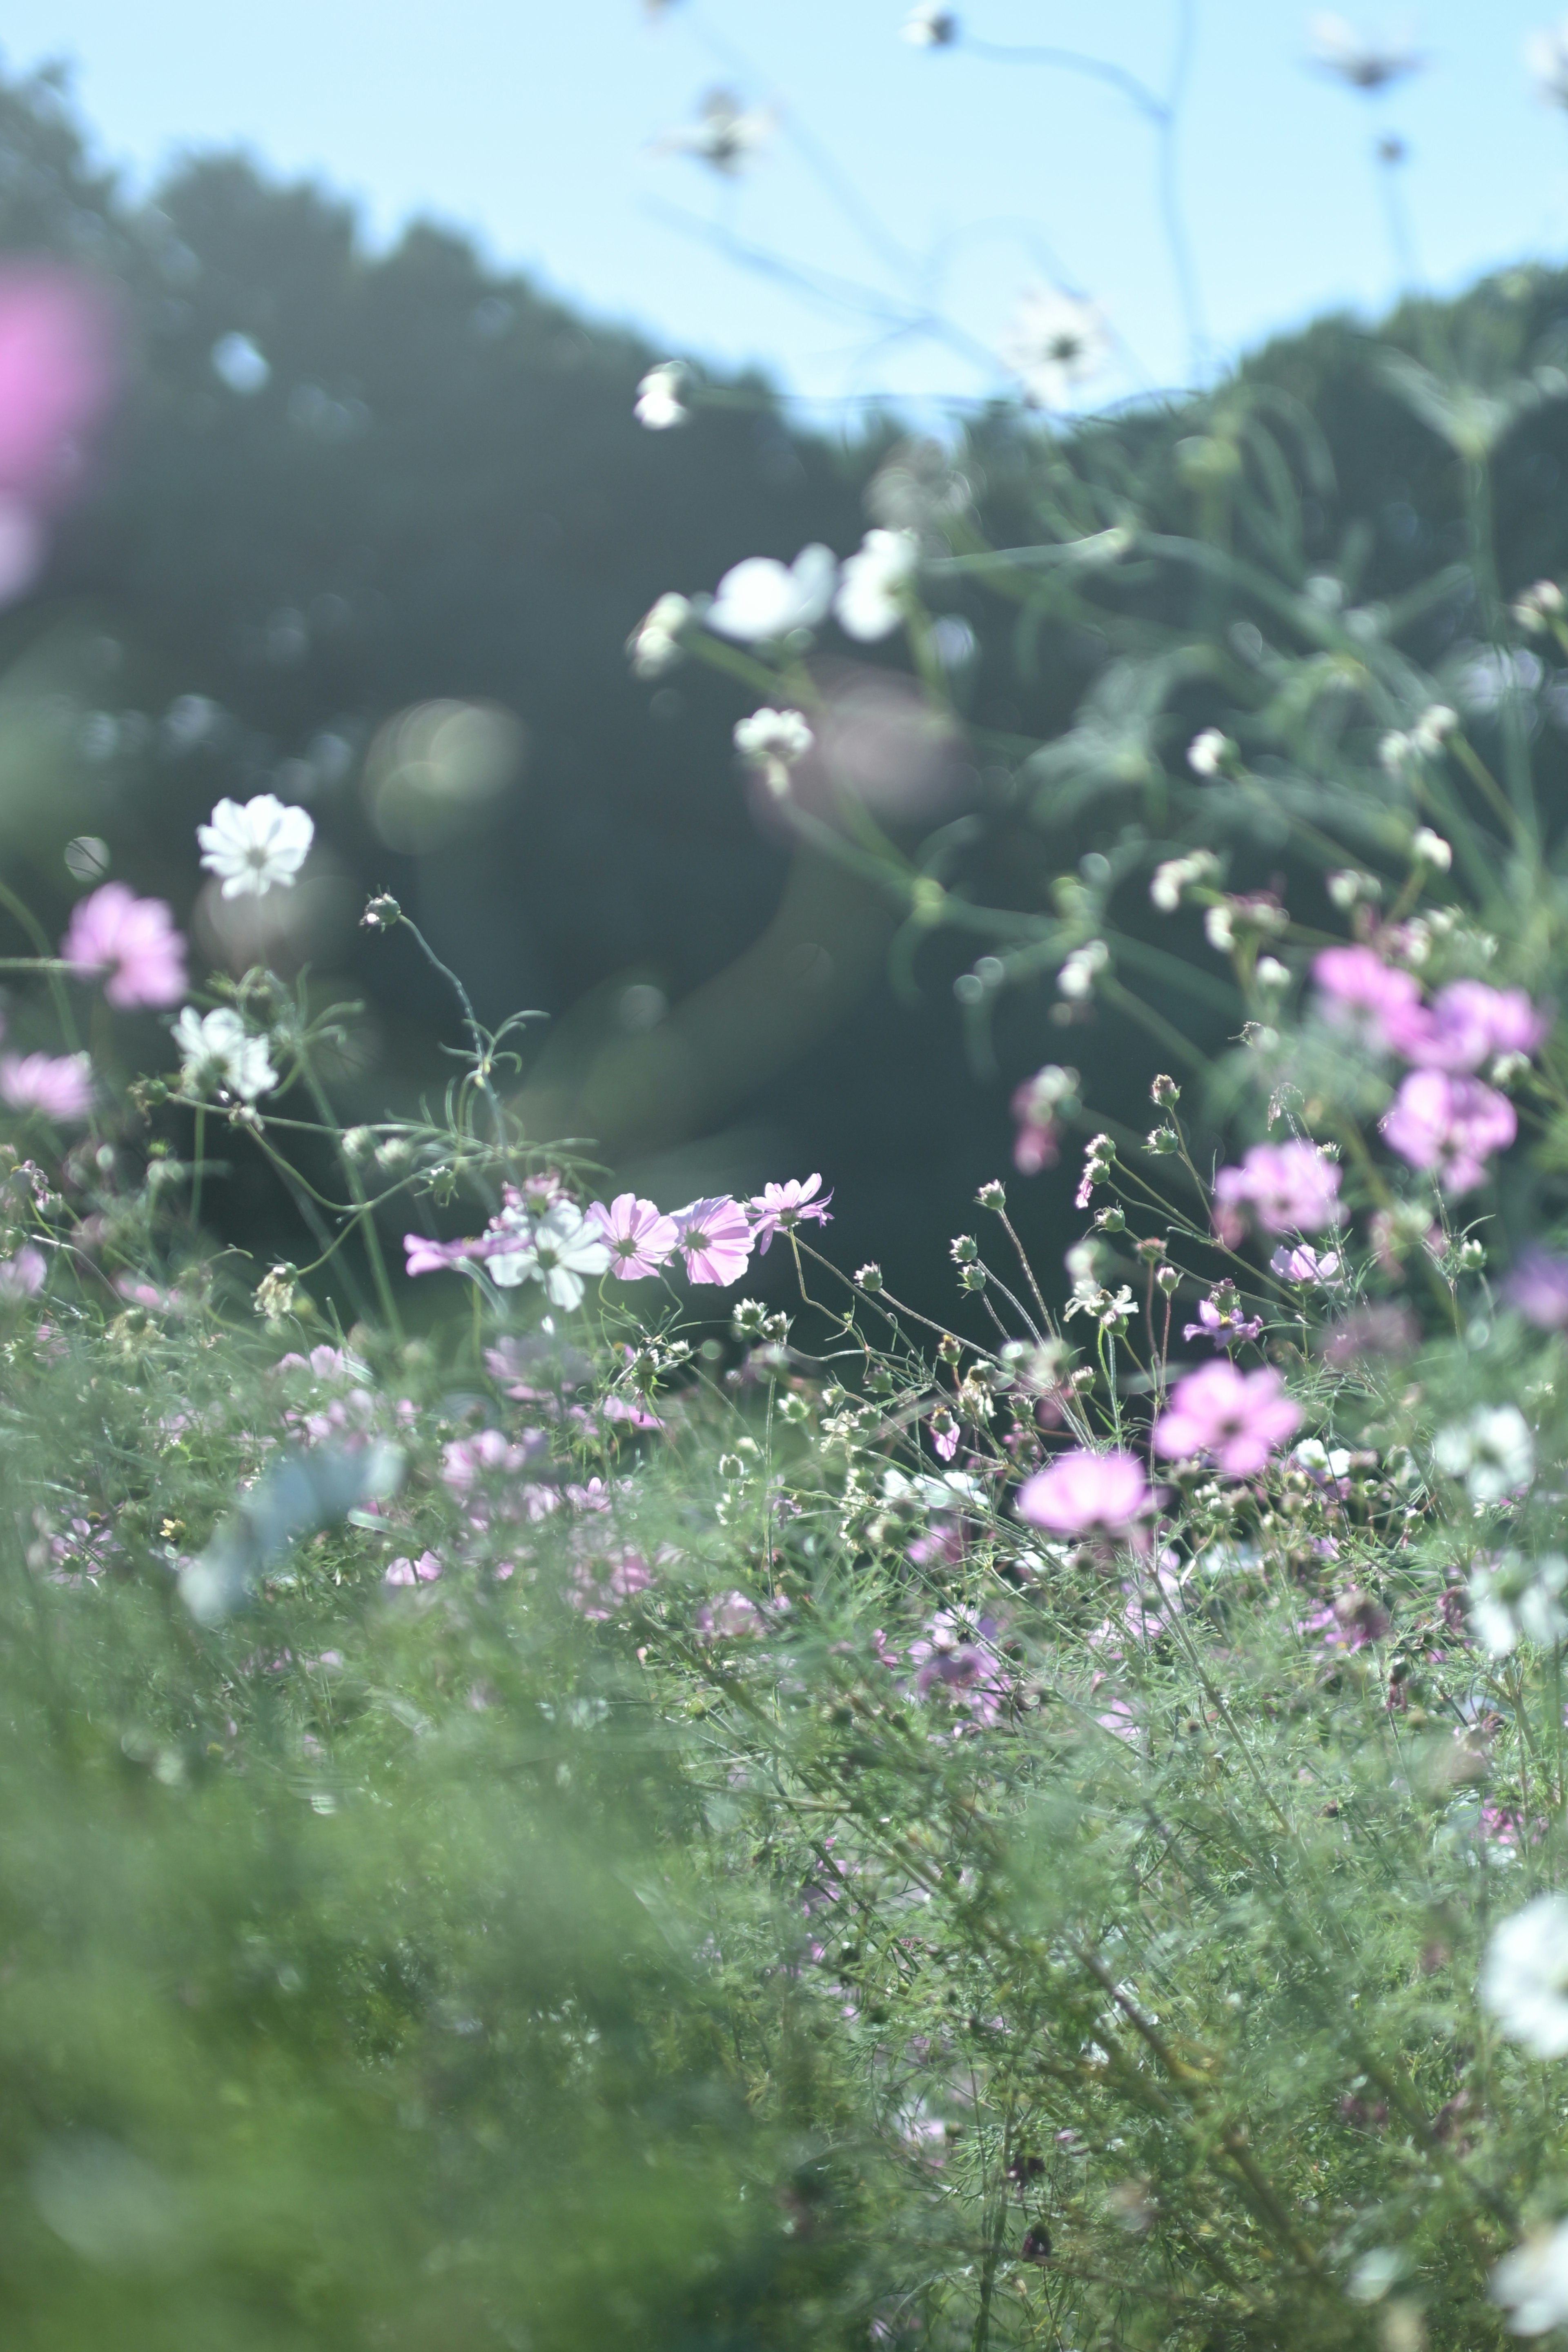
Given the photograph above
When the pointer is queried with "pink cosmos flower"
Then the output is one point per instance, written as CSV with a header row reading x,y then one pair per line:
x,y
1362,992
425,1256
422,1571
59,1085
1449,1125
779,1208
134,940
22,1277
488,1453
1465,1024
959,1662
731,1618
1291,1188
640,1237
1086,1494
1239,1417
1538,1286
714,1238
599,1587
58,375
1305,1263
1225,1325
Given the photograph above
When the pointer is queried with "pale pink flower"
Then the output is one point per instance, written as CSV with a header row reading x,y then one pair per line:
x,y
731,1618
1538,1286
1082,1494
1239,1417
1291,1188
640,1237
59,375
59,1085
22,1277
1449,1125
487,1454
1465,1024
714,1238
422,1571
1362,992
779,1208
1225,1325
425,1256
131,939
1304,1263
599,1587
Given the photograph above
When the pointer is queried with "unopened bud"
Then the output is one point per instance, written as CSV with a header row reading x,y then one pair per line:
x,y
1152,1249
747,1318
1429,848
381,913
992,1195
1112,1221
949,1348
1081,1380
868,1278
1162,1141
1168,1280
1165,1092
776,1328
1471,1255
972,1277
964,1249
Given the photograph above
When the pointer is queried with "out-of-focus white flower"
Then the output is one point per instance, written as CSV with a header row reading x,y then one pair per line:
x,y
724,135
1546,54
1271,973
659,405
1429,848
1209,752
1077,976
1536,608
216,1050
1532,2283
557,1249
654,644
255,847
761,599
1492,1451
1433,728
929,26
869,604
1054,343
1177,875
1359,59
1524,1976
1219,927
1518,1599
769,735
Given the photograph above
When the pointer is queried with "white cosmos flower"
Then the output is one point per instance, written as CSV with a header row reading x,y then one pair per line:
x,y
1524,1977
654,644
215,1049
1492,1451
258,847
929,26
659,402
1054,343
1546,54
761,599
868,605
1518,1599
1532,2284
1359,59
557,1249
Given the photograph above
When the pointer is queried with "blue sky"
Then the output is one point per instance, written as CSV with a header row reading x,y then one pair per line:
x,y
918,176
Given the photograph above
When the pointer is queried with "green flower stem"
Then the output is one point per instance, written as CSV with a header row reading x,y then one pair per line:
x,y
47,963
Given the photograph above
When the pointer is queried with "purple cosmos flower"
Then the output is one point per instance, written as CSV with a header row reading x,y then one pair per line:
x,y
1222,1322
714,1239
779,1208
22,1277
59,1085
1086,1494
1538,1286
1304,1263
1362,992
1290,1188
640,1237
131,939
425,1256
1449,1125
1239,1417
1465,1024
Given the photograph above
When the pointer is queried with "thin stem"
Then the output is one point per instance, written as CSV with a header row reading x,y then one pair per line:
x,y
47,963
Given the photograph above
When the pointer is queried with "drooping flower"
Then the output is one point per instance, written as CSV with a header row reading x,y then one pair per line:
x,y
1538,1286
1524,1977
23,1277
659,405
1450,1126
133,941
1290,1188
1084,1493
779,1208
57,1085
870,602
654,645
1238,1417
1055,342
714,1238
255,847
1532,2283
1515,1599
1357,58
558,1250
639,1236
215,1049
1491,1450
761,599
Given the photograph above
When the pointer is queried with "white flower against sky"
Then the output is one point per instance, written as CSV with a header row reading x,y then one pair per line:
x,y
1492,1452
1546,54
1524,1977
1359,58
725,134
870,603
258,847
216,1050
1054,343
558,1249
1518,1599
1532,2284
761,599
659,405
929,26
654,644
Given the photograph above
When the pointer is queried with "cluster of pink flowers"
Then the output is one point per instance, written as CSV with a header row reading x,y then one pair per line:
x,y
1445,1120
713,1238
1288,1188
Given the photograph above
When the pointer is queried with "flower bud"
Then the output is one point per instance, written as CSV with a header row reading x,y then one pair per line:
x,y
964,1249
776,1330
1165,1092
1168,1280
972,1277
1152,1249
1112,1220
1471,1256
992,1195
747,1318
381,913
868,1278
949,1348
1162,1141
